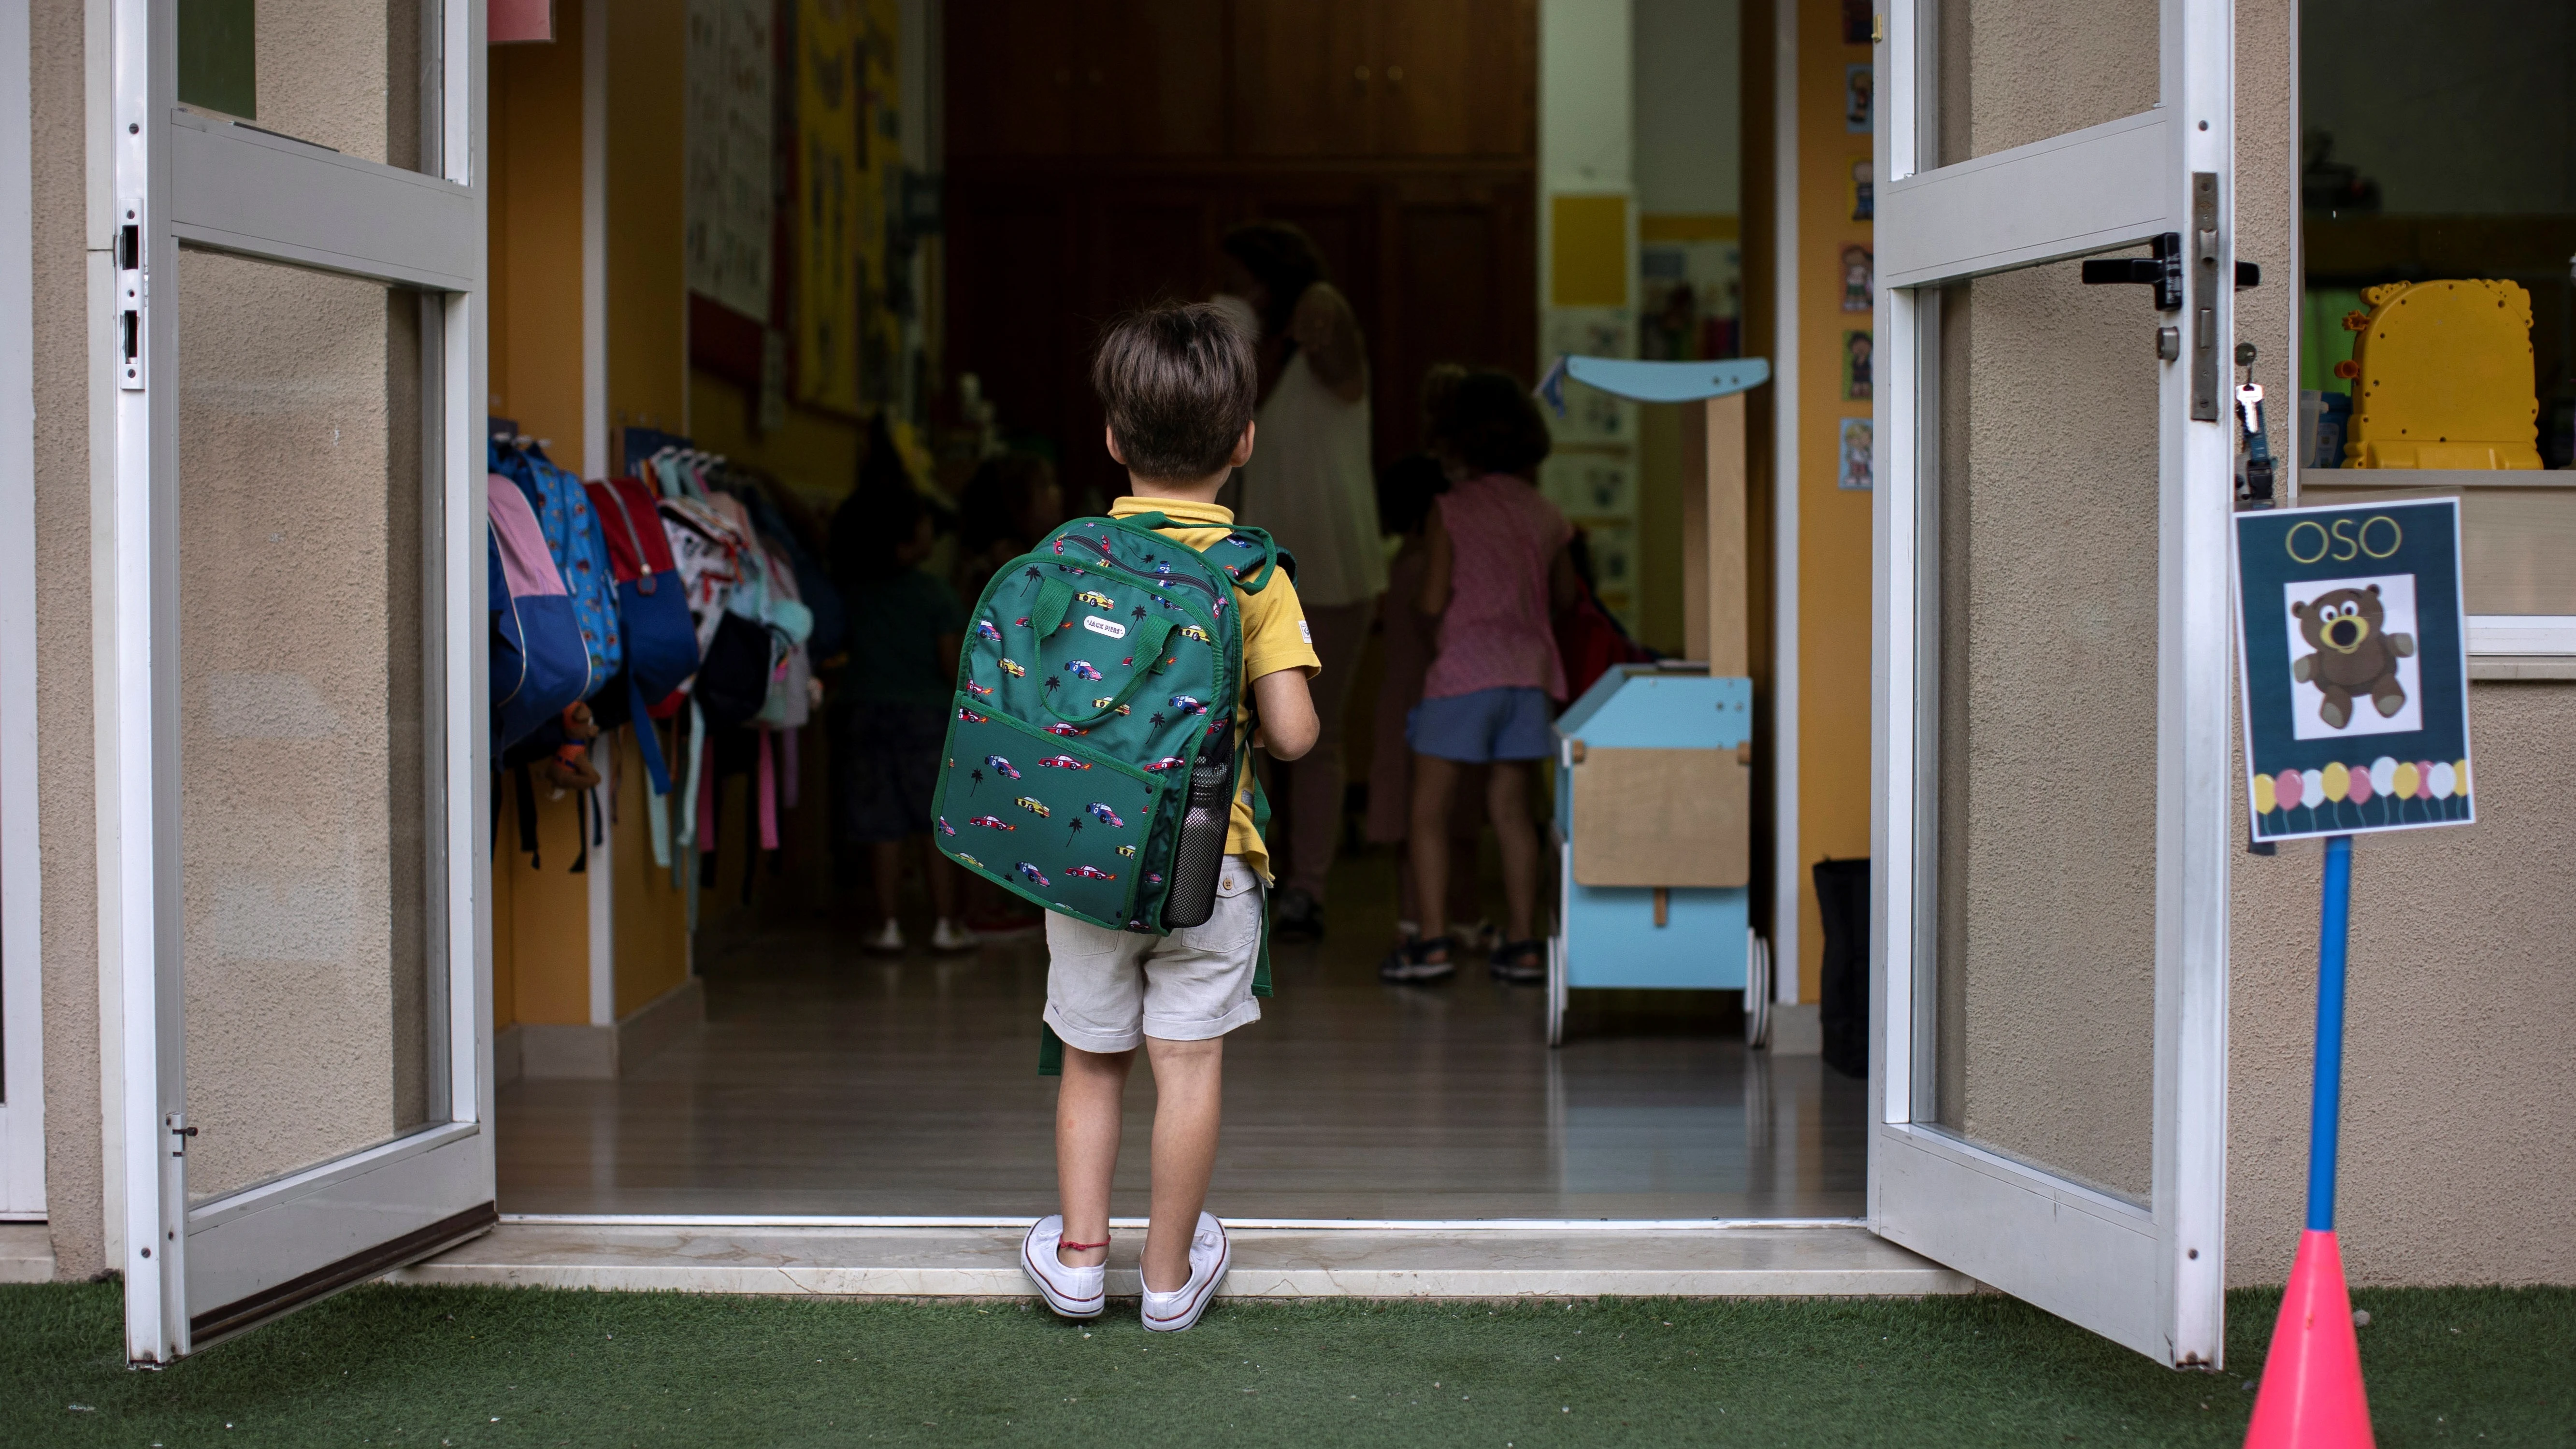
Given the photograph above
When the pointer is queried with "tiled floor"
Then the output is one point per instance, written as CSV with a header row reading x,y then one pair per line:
x,y
829,1082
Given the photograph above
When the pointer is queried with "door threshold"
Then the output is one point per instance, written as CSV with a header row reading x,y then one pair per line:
x,y
980,1260
1374,1225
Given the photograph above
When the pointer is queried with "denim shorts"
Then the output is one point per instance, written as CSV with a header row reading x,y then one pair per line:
x,y
1508,722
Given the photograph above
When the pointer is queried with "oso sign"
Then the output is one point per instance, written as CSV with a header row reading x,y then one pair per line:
x,y
2354,669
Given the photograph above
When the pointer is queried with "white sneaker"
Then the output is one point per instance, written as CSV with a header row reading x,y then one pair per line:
x,y
888,942
1072,1292
951,937
1211,1253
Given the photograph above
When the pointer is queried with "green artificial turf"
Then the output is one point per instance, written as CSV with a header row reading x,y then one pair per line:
x,y
459,1367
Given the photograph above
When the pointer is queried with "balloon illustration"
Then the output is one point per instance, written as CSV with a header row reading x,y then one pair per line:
x,y
2312,789
2338,781
2358,786
2288,788
2442,778
2383,774
2408,783
2262,796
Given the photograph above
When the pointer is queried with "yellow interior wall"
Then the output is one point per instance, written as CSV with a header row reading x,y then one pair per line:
x,y
815,453
540,917
1833,524
651,919
549,920
647,296
648,385
535,142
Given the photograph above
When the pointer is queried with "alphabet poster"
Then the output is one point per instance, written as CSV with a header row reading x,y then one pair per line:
x,y
2354,665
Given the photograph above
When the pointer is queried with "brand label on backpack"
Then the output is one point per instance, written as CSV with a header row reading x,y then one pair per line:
x,y
1099,625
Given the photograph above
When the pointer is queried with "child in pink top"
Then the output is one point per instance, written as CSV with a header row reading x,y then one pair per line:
x,y
1498,571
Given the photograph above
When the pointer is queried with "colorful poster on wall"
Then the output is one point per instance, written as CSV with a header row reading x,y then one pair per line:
x,y
847,161
1694,296
831,157
2354,667
1856,366
728,200
1857,91
1852,464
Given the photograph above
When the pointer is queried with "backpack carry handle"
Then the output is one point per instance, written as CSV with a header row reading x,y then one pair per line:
x,y
1271,552
1055,598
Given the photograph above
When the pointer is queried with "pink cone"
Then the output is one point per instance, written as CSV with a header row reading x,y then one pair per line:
x,y
2312,1396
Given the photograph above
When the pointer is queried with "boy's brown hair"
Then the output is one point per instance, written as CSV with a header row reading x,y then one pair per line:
x,y
1179,384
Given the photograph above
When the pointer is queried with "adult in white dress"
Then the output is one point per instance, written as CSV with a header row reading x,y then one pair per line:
x,y
1310,484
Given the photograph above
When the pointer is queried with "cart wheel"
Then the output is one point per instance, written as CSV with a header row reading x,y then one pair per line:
x,y
1556,991
1757,989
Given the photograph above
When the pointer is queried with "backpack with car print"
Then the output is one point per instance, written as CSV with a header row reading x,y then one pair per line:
x,y
1092,756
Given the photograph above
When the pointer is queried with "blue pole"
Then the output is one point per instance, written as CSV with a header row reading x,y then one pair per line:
x,y
2323,1111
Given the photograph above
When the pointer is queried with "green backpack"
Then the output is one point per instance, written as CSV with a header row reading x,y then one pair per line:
x,y
1091,764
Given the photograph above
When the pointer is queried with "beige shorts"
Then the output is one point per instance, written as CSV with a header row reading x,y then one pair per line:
x,y
1108,990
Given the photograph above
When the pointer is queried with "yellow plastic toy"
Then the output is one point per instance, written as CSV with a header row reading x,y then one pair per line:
x,y
2442,377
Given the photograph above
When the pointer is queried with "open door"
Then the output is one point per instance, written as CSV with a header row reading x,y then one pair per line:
x,y
292,759
2052,655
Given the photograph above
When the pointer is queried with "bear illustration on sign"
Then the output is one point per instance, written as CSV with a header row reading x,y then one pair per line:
x,y
2355,654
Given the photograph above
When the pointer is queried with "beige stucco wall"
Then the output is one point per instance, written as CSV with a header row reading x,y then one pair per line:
x,y
75,1193
2456,1153
2456,1161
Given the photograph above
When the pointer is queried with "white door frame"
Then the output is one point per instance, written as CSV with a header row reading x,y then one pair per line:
x,y
2149,1277
193,1274
22,1038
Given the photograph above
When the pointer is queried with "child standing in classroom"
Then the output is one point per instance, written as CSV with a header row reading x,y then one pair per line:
x,y
1178,385
1497,571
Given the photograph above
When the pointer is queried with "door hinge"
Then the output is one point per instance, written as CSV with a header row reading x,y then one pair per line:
x,y
131,294
2205,284
177,1122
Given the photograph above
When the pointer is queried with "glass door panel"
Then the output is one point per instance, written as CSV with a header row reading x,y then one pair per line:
x,y
2044,906
360,77
2012,72
311,942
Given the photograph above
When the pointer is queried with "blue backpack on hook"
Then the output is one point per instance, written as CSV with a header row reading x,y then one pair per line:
x,y
580,551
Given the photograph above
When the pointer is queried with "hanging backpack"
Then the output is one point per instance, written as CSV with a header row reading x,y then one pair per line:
x,y
580,551
735,652
1091,763
653,611
538,664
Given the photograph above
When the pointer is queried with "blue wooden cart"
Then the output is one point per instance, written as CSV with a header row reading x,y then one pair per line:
x,y
1655,761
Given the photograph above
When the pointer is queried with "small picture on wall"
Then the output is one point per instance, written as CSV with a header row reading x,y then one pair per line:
x,y
1856,347
1856,99
1857,266
1858,193
1853,470
1856,22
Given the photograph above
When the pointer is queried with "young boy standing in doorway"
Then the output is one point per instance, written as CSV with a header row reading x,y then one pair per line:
x,y
1178,384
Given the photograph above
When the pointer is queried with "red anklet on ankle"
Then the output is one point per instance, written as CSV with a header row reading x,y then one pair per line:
x,y
1072,1247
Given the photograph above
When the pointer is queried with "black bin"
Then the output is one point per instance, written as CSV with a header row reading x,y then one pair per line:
x,y
1842,894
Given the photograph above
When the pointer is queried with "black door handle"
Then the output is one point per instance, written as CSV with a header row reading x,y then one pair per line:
x,y
2162,270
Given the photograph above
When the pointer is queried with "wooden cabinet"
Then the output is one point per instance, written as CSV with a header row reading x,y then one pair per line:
x,y
1385,78
1038,78
1248,78
1300,82
1456,77
1098,149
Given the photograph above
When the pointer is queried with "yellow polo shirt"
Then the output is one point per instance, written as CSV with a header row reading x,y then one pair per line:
x,y
1275,637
